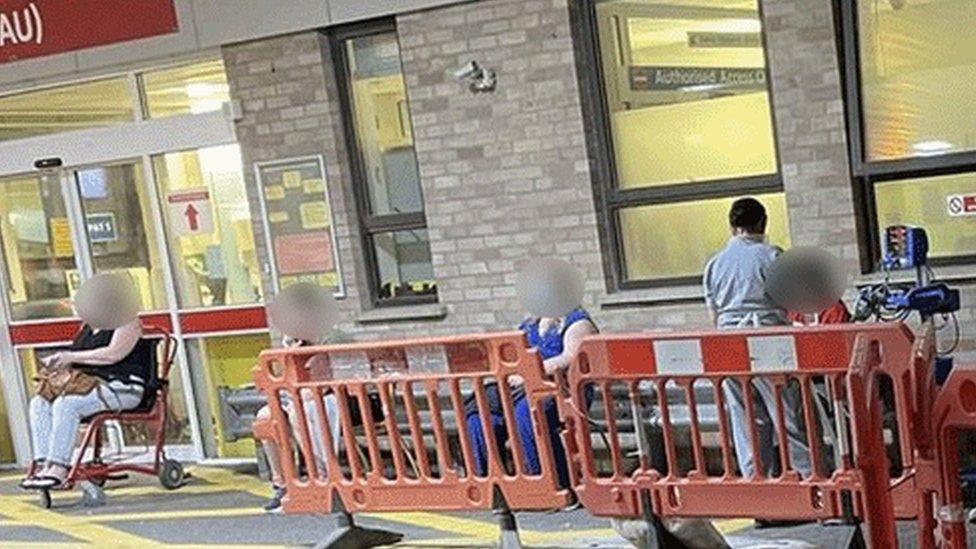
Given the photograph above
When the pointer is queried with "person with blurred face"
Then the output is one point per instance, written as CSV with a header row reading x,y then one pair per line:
x,y
737,298
110,349
552,291
304,313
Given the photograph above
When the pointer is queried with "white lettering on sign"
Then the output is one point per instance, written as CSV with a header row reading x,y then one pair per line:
x,y
190,211
772,353
961,204
678,356
21,26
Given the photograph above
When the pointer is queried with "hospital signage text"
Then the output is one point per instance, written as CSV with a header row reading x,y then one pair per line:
x,y
647,78
46,27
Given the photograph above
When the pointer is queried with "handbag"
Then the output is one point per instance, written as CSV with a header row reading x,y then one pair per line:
x,y
52,384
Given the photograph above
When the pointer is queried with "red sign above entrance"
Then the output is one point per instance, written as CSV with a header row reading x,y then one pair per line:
x,y
46,27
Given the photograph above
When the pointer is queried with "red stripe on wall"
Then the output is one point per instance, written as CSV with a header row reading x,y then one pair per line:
x,y
227,320
58,331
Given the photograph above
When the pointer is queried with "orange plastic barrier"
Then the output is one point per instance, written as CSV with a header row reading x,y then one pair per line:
x,y
954,410
854,384
404,443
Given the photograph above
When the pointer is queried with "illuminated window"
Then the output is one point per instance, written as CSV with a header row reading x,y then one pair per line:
x,y
6,439
662,239
945,206
685,126
221,365
38,247
208,227
189,89
910,67
387,179
66,108
117,211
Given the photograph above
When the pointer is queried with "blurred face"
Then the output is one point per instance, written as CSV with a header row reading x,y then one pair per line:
x,y
304,311
806,280
549,287
106,302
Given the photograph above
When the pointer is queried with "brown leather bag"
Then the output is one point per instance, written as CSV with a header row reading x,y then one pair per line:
x,y
64,381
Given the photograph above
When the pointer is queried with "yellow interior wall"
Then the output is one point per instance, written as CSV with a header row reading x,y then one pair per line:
x,y
923,202
917,66
6,440
676,240
16,195
694,141
378,108
228,362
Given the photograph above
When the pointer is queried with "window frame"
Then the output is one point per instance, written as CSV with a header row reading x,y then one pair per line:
x,y
865,173
371,224
608,197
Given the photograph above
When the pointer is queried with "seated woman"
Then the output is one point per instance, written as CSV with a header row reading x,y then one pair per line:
x,y
108,349
546,286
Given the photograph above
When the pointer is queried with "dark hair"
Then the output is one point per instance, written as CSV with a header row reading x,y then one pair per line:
x,y
748,214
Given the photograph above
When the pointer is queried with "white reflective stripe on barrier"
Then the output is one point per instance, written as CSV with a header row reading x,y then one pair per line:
x,y
679,356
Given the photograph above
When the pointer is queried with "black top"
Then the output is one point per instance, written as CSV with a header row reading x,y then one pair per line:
x,y
135,368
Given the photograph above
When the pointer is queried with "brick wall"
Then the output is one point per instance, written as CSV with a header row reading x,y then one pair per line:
x,y
506,175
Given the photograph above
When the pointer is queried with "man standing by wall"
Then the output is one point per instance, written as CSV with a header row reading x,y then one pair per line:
x,y
735,293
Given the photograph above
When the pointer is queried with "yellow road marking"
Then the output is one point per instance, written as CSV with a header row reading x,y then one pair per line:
x,y
177,515
71,526
224,480
233,479
731,526
136,491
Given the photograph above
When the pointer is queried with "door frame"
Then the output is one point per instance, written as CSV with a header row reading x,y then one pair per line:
x,y
133,142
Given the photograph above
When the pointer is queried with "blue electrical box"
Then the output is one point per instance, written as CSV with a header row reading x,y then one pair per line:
x,y
903,247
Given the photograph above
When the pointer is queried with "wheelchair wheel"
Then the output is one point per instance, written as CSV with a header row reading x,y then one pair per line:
x,y
171,474
45,499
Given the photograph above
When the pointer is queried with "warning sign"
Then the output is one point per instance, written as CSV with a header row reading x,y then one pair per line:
x,y
961,204
190,211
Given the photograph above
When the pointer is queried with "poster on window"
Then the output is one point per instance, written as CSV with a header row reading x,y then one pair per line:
x,y
299,222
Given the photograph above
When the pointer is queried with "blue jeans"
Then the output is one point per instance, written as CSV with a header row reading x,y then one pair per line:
x,y
530,451
55,424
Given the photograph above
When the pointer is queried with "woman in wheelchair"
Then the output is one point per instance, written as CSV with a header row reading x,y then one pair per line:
x,y
105,369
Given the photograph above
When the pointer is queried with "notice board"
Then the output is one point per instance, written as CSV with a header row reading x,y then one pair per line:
x,y
299,222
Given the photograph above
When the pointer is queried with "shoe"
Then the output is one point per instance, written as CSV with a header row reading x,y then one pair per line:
x,y
41,483
274,505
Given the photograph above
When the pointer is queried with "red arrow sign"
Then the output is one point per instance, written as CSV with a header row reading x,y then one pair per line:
x,y
191,216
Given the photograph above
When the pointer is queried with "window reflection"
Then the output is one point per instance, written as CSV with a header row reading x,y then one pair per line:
x,y
66,108
119,228
38,247
686,89
208,226
189,89
675,240
917,66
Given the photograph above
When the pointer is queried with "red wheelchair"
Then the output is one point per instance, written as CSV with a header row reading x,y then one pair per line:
x,y
89,466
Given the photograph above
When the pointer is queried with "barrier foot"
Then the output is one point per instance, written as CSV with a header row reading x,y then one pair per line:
x,y
348,535
508,537
855,538
654,534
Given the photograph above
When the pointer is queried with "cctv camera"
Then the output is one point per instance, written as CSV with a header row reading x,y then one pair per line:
x,y
470,70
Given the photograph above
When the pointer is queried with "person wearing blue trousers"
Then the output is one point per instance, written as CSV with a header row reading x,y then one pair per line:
x,y
556,340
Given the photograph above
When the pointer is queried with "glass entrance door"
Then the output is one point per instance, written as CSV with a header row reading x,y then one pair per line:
x,y
58,229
